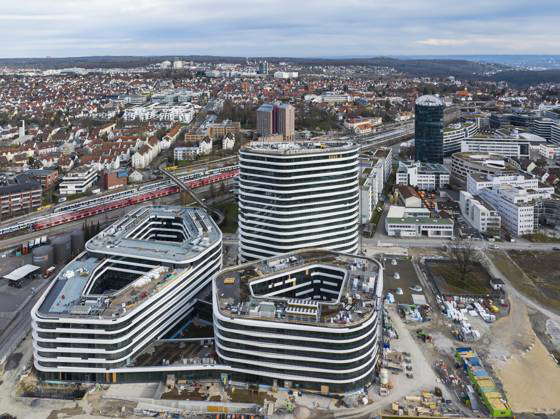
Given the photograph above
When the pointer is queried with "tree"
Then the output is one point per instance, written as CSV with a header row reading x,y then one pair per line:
x,y
464,257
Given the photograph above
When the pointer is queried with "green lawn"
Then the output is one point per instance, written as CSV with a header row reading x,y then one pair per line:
x,y
476,282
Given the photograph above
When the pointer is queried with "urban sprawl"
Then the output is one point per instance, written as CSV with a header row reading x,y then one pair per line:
x,y
277,239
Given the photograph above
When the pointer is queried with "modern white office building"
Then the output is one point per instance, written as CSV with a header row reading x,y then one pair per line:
x,y
506,147
543,127
79,180
455,134
424,176
308,319
477,182
368,198
416,222
384,156
482,216
298,195
133,283
519,208
463,164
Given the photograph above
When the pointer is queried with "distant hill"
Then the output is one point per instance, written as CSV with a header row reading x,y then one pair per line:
x,y
414,67
525,78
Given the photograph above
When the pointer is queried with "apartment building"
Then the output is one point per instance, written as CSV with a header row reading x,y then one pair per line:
x,y
276,119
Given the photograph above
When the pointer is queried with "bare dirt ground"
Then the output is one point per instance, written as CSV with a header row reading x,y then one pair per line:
x,y
532,381
529,376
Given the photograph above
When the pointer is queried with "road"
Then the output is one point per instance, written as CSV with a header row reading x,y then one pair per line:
x,y
382,240
19,327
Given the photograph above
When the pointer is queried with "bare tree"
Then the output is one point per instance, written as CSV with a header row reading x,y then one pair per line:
x,y
464,256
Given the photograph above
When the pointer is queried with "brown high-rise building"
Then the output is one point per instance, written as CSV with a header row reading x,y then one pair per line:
x,y
276,119
286,121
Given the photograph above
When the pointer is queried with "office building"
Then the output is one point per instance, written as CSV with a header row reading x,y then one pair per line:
x,y
424,176
19,194
298,195
416,222
476,182
505,147
308,319
263,68
368,198
543,127
220,129
463,164
455,134
519,208
79,180
428,129
555,134
480,215
276,119
133,284
549,151
47,178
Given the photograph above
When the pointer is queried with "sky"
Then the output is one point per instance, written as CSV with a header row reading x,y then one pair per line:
x,y
290,28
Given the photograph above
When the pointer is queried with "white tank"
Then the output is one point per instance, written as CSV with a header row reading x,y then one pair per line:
x,y
384,376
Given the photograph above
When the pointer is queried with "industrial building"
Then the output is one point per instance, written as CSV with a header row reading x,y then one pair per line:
x,y
297,195
417,222
308,319
134,282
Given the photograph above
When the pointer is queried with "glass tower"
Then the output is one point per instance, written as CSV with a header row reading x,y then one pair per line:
x,y
428,129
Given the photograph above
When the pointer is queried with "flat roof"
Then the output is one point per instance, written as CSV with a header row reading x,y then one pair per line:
x,y
151,263
21,272
420,221
300,147
119,238
280,289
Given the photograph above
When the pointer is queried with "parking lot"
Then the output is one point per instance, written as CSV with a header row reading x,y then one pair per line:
x,y
400,279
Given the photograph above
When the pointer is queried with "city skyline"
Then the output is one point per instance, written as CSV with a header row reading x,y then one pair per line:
x,y
358,28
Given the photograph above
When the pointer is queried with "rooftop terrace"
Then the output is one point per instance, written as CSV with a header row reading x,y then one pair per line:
x,y
303,147
314,287
129,262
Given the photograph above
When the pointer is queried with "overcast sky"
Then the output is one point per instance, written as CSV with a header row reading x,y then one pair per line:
x,y
297,28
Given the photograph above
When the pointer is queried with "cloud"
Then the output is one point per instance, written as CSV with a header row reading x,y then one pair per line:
x,y
442,42
272,28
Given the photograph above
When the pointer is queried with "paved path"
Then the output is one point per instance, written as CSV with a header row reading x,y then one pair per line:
x,y
424,376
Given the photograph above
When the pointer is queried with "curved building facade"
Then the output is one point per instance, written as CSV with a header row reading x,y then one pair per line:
x,y
298,195
308,319
428,129
135,281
